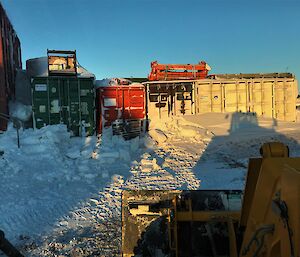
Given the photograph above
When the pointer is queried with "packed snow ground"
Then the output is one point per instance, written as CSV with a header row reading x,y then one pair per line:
x,y
61,196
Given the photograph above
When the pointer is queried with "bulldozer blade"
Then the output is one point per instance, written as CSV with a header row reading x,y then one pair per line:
x,y
167,222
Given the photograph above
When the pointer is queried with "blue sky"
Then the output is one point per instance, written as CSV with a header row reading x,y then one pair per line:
x,y
121,38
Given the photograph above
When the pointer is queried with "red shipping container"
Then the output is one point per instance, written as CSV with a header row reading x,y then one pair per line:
x,y
120,103
10,61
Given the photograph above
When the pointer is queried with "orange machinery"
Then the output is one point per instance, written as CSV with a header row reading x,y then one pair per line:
x,y
178,71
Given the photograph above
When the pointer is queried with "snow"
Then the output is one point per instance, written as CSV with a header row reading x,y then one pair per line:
x,y
112,82
52,172
158,135
61,196
115,82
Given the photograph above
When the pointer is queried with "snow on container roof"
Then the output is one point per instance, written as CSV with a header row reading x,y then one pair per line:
x,y
38,67
112,82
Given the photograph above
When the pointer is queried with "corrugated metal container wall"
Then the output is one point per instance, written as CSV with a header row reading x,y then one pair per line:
x,y
120,103
268,97
65,100
165,99
10,61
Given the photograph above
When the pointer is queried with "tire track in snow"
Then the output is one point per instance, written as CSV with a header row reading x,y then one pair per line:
x,y
165,168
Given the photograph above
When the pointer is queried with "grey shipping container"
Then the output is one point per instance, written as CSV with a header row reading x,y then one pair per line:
x,y
67,100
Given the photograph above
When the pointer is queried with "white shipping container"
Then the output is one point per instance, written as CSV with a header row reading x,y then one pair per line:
x,y
268,97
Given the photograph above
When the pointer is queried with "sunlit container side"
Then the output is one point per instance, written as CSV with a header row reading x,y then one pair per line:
x,y
123,108
273,97
10,61
67,100
169,98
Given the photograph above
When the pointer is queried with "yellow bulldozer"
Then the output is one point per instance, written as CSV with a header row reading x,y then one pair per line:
x,y
262,221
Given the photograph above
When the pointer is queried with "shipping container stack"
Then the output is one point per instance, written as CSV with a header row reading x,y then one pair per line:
x,y
62,92
171,91
10,62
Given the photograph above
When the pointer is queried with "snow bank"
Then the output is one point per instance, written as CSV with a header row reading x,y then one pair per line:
x,y
52,173
116,148
178,127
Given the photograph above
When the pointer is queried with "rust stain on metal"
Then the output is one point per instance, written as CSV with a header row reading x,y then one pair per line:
x,y
10,61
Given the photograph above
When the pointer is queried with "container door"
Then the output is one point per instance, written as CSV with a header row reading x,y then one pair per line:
x,y
160,101
235,96
261,97
285,97
216,97
135,103
40,103
109,111
203,97
70,100
183,99
119,112
209,97
79,106
54,101
163,105
87,105
46,101
152,101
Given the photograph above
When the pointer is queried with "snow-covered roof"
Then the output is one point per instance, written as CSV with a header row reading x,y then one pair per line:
x,y
112,82
38,67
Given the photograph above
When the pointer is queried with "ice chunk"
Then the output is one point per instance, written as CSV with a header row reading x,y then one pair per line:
x,y
158,135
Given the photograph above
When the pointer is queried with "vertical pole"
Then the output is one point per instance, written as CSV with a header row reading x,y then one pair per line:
x,y
18,136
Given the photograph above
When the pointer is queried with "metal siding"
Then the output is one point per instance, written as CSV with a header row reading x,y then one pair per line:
x,y
119,102
10,61
268,97
173,98
64,100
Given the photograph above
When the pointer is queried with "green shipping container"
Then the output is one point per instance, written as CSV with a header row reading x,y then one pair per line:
x,y
66,100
